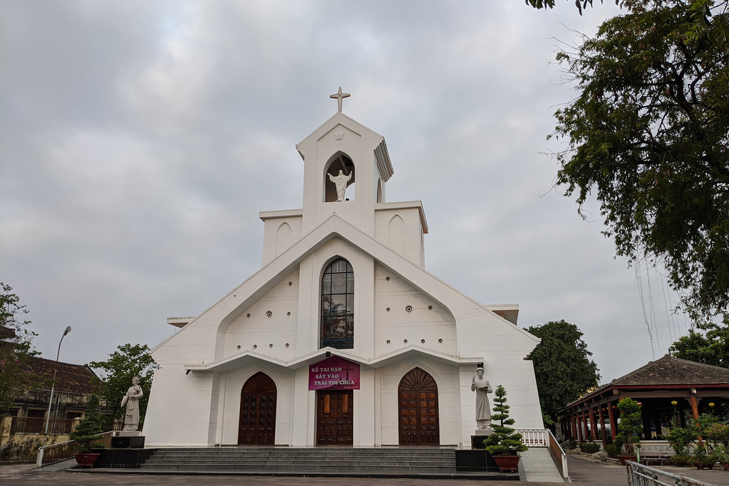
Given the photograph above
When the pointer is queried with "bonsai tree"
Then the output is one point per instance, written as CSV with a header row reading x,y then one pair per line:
x,y
630,425
86,434
504,441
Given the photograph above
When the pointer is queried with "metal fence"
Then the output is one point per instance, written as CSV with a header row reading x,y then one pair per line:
x,y
640,475
37,425
60,452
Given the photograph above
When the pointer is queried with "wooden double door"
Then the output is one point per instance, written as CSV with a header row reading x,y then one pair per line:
x,y
418,409
334,417
257,425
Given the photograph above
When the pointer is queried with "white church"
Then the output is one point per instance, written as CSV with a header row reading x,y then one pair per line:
x,y
342,337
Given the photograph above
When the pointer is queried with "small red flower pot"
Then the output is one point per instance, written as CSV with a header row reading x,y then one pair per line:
x,y
507,463
87,459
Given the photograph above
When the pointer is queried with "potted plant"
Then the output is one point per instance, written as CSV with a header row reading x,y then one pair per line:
x,y
629,428
680,440
86,435
718,434
503,444
703,459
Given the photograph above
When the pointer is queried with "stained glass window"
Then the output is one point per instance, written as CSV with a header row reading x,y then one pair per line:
x,y
337,306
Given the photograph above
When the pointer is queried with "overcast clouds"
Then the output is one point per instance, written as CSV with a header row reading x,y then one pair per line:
x,y
139,140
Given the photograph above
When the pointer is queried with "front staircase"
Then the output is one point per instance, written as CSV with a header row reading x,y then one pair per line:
x,y
300,461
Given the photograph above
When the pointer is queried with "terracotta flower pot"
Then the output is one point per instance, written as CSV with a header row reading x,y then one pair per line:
x,y
87,459
623,459
507,463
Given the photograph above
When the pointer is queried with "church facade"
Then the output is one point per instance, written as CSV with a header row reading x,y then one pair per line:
x,y
342,337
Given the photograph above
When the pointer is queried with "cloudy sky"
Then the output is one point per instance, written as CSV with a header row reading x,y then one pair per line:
x,y
139,140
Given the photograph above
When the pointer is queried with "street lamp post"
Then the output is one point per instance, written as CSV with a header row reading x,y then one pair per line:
x,y
53,386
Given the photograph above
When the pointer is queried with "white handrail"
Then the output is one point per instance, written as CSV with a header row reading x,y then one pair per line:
x,y
554,444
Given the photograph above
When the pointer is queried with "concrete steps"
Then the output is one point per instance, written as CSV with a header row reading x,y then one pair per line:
x,y
382,460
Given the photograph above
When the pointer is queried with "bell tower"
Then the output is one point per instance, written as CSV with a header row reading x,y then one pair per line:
x,y
346,167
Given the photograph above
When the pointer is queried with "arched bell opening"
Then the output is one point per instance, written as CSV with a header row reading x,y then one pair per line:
x,y
339,174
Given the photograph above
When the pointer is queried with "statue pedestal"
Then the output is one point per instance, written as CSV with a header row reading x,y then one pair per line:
x,y
127,439
479,435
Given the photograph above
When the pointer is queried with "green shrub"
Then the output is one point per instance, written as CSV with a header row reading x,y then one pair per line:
x,y
612,450
589,447
86,435
681,460
704,458
680,440
573,444
718,434
503,441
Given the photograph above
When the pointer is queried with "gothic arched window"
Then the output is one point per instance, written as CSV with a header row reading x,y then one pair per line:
x,y
337,306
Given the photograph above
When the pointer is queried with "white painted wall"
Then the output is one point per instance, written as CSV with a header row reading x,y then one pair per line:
x,y
428,321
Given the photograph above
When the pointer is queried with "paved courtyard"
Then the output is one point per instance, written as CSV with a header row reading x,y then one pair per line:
x,y
582,471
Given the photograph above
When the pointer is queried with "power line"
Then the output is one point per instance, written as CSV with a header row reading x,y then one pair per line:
x,y
651,308
639,281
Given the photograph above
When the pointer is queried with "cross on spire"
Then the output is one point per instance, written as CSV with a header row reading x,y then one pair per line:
x,y
339,97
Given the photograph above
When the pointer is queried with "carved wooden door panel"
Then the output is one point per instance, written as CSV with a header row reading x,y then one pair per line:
x,y
418,409
335,417
257,424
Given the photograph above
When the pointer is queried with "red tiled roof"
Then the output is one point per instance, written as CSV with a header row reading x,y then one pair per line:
x,y
71,378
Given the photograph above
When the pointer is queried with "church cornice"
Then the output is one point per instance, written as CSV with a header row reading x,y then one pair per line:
x,y
408,352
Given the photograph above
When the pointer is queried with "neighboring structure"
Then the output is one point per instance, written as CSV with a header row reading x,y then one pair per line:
x,y
670,390
27,417
342,337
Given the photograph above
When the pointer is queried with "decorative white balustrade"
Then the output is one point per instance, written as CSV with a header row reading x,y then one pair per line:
x,y
534,437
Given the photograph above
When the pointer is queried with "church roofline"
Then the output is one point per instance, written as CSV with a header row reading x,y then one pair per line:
x,y
234,362
405,205
332,227
282,213
334,120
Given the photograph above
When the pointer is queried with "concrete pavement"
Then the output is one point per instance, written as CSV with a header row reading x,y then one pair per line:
x,y
582,472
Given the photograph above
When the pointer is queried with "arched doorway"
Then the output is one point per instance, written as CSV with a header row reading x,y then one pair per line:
x,y
418,409
257,424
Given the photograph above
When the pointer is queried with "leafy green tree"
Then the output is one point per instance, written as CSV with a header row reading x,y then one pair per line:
x,y
503,441
630,425
123,365
562,365
647,134
708,344
16,348
707,15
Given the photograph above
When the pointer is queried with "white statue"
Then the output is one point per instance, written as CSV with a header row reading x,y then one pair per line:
x,y
340,182
131,400
483,408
